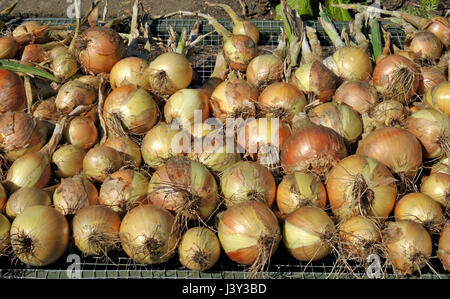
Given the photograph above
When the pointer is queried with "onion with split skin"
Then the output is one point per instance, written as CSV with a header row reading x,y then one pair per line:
x,y
357,94
73,94
444,247
68,160
146,234
100,161
282,100
5,227
350,63
24,198
12,92
437,186
129,70
264,70
438,97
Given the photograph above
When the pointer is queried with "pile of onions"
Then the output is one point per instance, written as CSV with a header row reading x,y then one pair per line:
x,y
73,194
425,44
168,73
8,47
39,236
63,63
127,71
264,70
73,94
131,109
431,75
12,95
408,246
360,185
5,227
187,104
437,186
99,48
81,132
249,234
96,230
339,117
432,128
24,198
315,78
145,234
199,249
100,161
420,208
350,63
357,94
160,144
300,189
234,98
130,151
247,181
281,99
309,233
437,97
313,148
123,190
68,160
396,78
444,247
360,237
396,148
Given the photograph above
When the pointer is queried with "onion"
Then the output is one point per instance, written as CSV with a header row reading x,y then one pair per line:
x,y
441,166
396,78
3,198
96,230
432,128
408,246
246,180
46,110
300,189
183,105
24,198
396,148
123,190
38,30
127,71
360,185
425,44
63,63
444,247
359,237
131,109
437,186
341,118
73,94
157,144
73,194
430,76
81,132
130,151
315,78
5,227
145,233
12,95
234,98
440,26
389,113
33,53
8,47
99,48
68,160
312,148
281,99
100,161
438,97
350,63
357,94
239,50
308,234
264,69
199,249
168,73
249,234
39,236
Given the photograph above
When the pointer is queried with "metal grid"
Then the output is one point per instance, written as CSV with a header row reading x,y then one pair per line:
x,y
119,266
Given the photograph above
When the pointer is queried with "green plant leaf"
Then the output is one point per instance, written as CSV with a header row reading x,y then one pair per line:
x,y
337,14
303,7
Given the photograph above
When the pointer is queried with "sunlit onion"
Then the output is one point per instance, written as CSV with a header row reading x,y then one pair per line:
x,y
68,160
100,161
81,132
281,99
24,198
438,97
350,63
437,186
183,105
357,94
12,91
264,69
73,94
130,151
129,70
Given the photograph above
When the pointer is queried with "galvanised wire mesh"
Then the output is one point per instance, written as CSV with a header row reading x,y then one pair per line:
x,y
283,266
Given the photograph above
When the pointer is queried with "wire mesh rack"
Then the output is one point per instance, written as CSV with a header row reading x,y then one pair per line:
x,y
73,265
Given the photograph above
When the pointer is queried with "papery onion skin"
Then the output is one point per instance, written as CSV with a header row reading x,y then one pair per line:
x,y
96,230
248,28
351,63
129,70
430,76
199,249
438,97
12,91
145,234
357,94
68,160
437,186
130,150
184,103
441,166
123,190
238,51
281,99
46,229
46,110
31,27
64,64
408,246
100,161
74,93
444,247
264,69
8,47
426,45
300,189
305,233
5,227
396,148
81,132
24,198
247,180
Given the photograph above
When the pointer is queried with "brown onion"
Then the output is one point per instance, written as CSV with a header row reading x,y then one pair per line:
x,y
129,70
430,76
425,44
8,47
100,161
357,94
81,132
46,110
350,63
12,92
281,99
239,50
130,151
33,53
264,70
437,186
24,198
440,27
68,160
444,247
438,97
73,94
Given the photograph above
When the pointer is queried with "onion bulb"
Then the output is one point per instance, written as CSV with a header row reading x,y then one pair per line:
x,y
73,194
444,247
63,63
131,109
127,71
68,160
168,73
145,234
249,234
360,185
357,94
440,27
408,246
300,189
38,30
183,105
437,186
8,47
441,166
389,113
199,249
100,161
281,99
430,76
12,91
5,227
438,97
350,63
46,110
3,198
130,151
81,132
33,53
39,236
425,44
215,157
308,234
96,230
73,94
123,190
24,198
263,70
